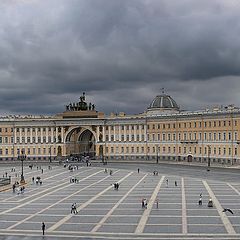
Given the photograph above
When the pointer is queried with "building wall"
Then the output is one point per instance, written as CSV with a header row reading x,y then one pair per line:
x,y
169,137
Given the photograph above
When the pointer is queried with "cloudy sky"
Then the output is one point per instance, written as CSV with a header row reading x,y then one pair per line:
x,y
120,52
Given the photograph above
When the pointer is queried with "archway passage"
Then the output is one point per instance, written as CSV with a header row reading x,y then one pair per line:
x,y
80,142
86,143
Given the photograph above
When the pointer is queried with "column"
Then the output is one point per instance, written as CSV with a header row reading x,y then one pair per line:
x,y
97,140
114,133
46,134
41,134
31,141
135,133
15,135
52,137
125,133
20,134
62,134
104,137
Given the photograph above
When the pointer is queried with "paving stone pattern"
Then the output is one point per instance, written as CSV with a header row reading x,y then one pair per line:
x,y
172,211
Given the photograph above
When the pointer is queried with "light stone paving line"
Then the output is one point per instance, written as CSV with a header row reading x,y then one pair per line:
x,y
65,219
184,209
227,224
57,189
146,213
33,215
104,219
29,191
233,188
37,193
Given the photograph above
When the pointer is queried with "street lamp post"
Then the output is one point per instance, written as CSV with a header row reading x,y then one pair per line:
x,y
209,160
50,155
22,157
157,154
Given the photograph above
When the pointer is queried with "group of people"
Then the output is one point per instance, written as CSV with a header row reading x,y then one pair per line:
x,y
74,180
37,181
144,203
110,171
74,208
17,188
116,186
210,202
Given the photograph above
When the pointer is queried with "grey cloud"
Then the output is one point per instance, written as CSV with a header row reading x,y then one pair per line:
x,y
120,52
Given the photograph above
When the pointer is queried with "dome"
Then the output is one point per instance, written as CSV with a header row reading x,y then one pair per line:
x,y
163,102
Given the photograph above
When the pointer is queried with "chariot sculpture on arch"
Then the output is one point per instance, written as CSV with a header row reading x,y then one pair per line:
x,y
82,105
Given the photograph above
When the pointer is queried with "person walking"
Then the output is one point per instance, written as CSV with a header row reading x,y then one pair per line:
x,y
166,182
43,228
138,170
175,183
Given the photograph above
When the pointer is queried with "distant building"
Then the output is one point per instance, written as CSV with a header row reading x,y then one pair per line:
x,y
162,132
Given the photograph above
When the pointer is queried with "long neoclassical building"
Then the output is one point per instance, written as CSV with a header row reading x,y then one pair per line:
x,y
161,132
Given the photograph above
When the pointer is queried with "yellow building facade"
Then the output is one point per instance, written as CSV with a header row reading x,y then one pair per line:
x,y
162,132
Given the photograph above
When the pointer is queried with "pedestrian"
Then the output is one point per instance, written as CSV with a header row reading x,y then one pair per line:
x,y
143,203
75,208
167,182
138,170
175,183
72,208
42,171
43,228
200,201
157,203
13,187
33,179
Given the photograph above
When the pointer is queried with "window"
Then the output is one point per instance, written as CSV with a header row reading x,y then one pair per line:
x,y
219,151
39,139
34,139
6,139
39,150
219,136
28,139
6,151
163,137
219,123
235,152
229,136
12,140
224,136
210,124
28,151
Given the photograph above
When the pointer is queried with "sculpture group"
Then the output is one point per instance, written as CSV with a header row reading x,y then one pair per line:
x,y
81,105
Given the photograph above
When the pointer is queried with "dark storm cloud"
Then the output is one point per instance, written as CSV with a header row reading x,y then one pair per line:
x,y
120,52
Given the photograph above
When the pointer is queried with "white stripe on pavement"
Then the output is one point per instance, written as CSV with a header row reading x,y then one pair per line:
x,y
224,218
146,213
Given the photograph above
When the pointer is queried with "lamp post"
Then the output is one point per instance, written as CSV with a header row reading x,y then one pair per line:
x,y
157,154
50,154
22,157
209,160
